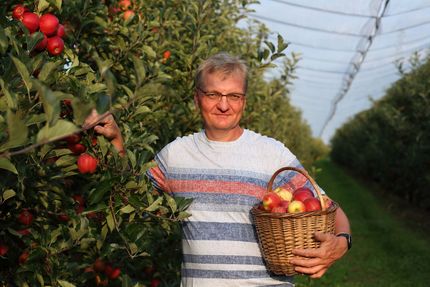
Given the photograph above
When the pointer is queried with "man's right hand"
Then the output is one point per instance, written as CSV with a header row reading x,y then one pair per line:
x,y
105,125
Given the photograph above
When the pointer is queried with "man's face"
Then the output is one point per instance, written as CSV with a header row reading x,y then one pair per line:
x,y
221,115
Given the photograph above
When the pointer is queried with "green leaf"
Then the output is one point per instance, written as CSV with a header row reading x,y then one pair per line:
x,y
149,51
140,70
271,46
4,43
40,279
182,215
132,157
127,209
50,101
8,193
57,3
97,194
33,40
23,71
43,4
61,129
110,222
64,283
81,110
171,202
18,131
48,69
11,97
66,160
155,205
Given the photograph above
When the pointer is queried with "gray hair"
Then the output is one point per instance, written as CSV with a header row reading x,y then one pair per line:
x,y
222,63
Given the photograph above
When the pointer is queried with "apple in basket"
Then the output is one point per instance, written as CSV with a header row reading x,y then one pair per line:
x,y
296,206
327,201
283,193
302,193
270,201
312,204
279,209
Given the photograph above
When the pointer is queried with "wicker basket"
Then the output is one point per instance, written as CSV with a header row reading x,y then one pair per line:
x,y
280,233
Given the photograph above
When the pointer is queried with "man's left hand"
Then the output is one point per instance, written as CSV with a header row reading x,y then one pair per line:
x,y
316,261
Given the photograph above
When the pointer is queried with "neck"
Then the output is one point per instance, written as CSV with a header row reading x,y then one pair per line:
x,y
224,136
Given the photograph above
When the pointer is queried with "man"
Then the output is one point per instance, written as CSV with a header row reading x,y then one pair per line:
x,y
225,169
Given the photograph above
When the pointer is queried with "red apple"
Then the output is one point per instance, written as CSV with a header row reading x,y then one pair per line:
x,y
48,24
285,203
74,138
296,206
124,4
23,257
77,148
99,265
155,282
302,193
128,14
63,217
166,55
79,199
271,200
18,12
55,46
25,217
3,249
283,193
279,209
42,44
60,31
31,21
115,273
312,204
87,163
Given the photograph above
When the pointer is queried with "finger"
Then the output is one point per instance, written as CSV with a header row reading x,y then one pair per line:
x,y
299,262
319,274
313,271
91,119
102,130
320,236
314,252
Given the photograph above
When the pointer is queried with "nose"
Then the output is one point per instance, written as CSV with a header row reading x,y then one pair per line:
x,y
223,104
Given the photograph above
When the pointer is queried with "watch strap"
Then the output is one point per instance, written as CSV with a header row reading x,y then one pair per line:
x,y
348,238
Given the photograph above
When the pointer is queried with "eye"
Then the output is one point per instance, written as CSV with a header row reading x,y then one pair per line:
x,y
212,95
234,97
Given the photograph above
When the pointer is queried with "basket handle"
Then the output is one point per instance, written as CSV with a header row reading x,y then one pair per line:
x,y
303,172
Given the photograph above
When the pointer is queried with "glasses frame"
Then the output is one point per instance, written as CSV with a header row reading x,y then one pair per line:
x,y
217,96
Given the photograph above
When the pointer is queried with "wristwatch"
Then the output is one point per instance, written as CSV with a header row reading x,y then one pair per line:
x,y
348,238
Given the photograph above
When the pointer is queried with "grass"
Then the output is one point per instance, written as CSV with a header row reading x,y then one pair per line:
x,y
388,250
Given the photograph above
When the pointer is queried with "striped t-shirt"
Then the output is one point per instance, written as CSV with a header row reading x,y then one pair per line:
x,y
225,179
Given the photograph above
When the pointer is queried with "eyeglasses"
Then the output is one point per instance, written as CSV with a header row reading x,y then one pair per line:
x,y
216,96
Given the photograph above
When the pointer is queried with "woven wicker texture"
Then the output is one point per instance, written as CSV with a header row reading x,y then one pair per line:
x,y
280,233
